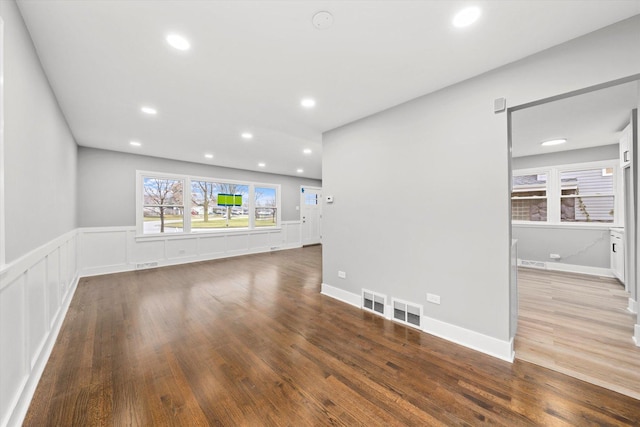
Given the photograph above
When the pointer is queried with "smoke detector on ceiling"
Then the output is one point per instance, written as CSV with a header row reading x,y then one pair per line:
x,y
322,20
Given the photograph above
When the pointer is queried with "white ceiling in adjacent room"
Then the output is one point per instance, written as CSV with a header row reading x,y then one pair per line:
x,y
587,120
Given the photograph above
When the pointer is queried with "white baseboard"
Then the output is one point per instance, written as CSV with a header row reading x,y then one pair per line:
x,y
567,268
633,306
471,339
465,337
636,336
341,295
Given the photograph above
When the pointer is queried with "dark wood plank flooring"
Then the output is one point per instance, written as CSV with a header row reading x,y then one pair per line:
x,y
250,341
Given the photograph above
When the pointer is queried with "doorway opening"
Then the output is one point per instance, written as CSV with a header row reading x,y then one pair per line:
x,y
569,200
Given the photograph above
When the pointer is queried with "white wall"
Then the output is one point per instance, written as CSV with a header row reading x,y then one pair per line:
x,y
107,192
444,157
39,150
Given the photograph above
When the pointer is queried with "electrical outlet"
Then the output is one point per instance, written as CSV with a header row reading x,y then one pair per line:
x,y
181,251
342,274
433,298
554,256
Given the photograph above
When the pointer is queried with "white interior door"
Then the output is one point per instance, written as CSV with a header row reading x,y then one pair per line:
x,y
311,215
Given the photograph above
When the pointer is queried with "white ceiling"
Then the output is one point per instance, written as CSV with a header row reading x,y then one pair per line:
x,y
252,61
588,120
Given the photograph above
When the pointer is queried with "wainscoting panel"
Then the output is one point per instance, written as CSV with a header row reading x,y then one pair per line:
x,y
182,248
54,294
211,246
259,241
37,307
35,292
238,244
13,363
140,251
112,243
115,249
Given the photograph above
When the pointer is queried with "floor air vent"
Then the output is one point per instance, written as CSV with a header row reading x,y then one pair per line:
x,y
373,302
534,264
408,313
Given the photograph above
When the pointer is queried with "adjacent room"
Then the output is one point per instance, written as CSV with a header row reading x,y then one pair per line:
x,y
319,213
570,189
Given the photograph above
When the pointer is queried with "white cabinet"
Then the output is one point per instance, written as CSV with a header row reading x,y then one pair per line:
x,y
625,145
617,252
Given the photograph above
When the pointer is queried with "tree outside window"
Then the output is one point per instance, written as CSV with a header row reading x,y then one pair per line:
x,y
163,205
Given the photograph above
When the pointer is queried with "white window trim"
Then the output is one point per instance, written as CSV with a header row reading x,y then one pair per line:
x,y
252,197
187,179
554,194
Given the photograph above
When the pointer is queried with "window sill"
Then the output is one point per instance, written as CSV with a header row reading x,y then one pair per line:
x,y
574,226
196,234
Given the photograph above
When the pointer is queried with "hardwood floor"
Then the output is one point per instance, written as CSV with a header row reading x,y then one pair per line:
x,y
578,325
251,341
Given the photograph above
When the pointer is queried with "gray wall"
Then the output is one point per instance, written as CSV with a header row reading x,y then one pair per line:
x,y
39,153
581,246
439,155
107,184
585,247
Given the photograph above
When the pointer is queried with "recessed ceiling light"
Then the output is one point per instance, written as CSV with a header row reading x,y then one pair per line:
x,y
135,143
299,170
149,110
466,17
554,142
209,156
247,135
307,151
308,102
261,164
178,42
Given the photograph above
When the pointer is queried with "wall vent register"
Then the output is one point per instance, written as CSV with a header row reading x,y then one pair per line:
x,y
373,302
408,313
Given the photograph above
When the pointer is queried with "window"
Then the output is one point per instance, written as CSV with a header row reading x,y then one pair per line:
x,y
266,207
584,193
311,199
587,196
529,197
208,205
219,205
163,207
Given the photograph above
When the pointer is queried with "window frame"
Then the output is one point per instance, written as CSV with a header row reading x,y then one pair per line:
x,y
554,194
188,204
534,171
252,218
